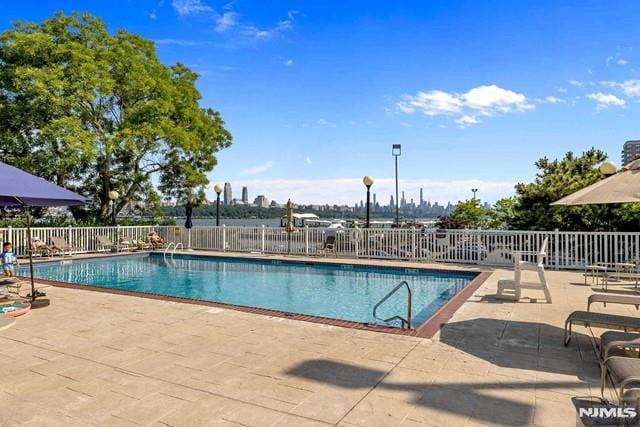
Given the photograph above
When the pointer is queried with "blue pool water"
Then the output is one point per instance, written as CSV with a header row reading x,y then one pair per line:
x,y
338,292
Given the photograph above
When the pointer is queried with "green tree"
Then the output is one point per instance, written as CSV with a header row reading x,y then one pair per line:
x,y
96,112
556,179
471,213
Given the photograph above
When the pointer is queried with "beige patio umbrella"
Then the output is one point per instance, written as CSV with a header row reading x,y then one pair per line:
x,y
623,187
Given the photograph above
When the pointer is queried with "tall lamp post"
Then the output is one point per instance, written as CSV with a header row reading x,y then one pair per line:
x,y
218,189
396,151
368,182
113,196
475,190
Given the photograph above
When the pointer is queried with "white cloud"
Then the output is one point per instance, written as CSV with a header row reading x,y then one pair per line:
x,y
575,83
282,26
550,100
488,100
630,88
324,122
606,100
226,21
190,7
259,169
288,62
621,61
405,124
308,160
608,59
181,42
562,90
152,14
467,120
350,190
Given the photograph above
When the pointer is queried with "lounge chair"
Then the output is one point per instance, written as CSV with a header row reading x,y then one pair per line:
x,y
602,320
624,373
616,343
61,246
155,240
511,289
38,247
589,319
104,242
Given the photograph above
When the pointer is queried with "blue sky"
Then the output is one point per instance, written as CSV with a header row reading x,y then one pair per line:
x,y
315,93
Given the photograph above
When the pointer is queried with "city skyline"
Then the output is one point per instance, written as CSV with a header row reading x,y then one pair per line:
x,y
264,200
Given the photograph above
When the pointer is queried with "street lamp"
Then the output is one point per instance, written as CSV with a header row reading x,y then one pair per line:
x,y
475,190
608,168
395,152
368,182
218,189
113,196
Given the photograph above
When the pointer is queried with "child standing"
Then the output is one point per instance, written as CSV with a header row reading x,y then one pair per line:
x,y
9,260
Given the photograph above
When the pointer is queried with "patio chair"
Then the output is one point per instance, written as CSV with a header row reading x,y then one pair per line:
x,y
511,289
60,245
10,285
329,245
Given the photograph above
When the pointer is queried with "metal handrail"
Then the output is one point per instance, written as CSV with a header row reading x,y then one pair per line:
x,y
175,248
405,322
169,246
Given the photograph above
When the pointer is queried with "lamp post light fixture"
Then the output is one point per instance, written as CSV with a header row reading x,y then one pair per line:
x,y
475,190
218,189
396,150
608,168
368,182
113,196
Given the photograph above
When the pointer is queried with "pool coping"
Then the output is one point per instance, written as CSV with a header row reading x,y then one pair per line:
x,y
425,330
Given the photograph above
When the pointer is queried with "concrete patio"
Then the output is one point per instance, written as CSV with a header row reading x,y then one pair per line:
x,y
93,358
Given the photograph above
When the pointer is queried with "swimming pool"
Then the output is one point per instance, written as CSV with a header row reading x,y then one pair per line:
x,y
343,292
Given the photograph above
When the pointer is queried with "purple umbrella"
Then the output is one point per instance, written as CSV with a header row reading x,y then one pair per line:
x,y
21,189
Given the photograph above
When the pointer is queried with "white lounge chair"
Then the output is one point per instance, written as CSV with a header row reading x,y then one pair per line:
x,y
511,289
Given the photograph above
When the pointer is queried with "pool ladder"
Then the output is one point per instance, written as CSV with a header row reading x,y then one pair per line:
x,y
173,247
406,322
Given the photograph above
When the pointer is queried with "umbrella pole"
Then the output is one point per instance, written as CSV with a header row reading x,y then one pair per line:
x,y
33,286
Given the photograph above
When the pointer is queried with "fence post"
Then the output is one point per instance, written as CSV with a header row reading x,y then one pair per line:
x,y
69,240
262,239
556,248
224,238
413,242
306,240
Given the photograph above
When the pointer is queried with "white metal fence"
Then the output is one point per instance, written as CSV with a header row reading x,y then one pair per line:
x,y
567,250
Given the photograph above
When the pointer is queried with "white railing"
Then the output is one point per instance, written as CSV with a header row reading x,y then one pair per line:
x,y
566,250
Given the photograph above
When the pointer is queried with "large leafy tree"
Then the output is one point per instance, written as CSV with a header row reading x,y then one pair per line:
x,y
556,179
96,112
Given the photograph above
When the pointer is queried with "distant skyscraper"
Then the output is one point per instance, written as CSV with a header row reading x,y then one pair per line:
x,y
228,196
373,206
261,201
391,202
403,202
245,195
421,198
630,151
